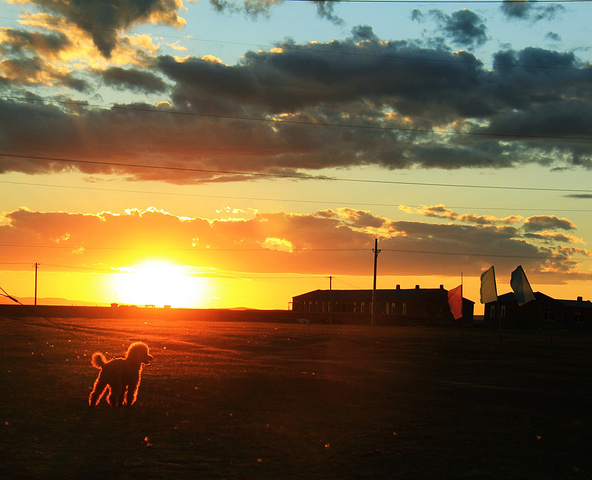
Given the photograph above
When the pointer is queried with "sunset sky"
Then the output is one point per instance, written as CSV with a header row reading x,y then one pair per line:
x,y
235,154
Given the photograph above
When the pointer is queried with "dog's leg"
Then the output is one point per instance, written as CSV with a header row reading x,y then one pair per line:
x,y
121,398
132,391
97,391
115,395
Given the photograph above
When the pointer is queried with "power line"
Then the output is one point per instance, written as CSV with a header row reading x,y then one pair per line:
x,y
287,200
267,250
119,271
464,254
294,176
311,123
188,249
34,311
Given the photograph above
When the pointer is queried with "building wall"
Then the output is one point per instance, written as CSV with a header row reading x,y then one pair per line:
x,y
546,312
430,306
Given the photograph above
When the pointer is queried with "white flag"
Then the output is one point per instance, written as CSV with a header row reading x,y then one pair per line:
x,y
521,287
488,287
455,302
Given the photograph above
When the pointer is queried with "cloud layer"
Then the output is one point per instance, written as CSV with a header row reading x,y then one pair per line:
x,y
103,20
293,109
291,243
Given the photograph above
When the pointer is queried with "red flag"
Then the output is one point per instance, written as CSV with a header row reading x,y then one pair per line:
x,y
455,302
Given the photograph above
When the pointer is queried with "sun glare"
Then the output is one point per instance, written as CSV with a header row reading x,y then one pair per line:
x,y
158,283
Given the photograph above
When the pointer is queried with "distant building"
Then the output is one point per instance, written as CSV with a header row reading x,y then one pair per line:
x,y
394,306
544,311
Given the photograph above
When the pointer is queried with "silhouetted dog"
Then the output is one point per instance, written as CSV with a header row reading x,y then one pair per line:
x,y
121,375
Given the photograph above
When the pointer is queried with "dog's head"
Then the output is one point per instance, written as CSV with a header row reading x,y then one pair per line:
x,y
138,353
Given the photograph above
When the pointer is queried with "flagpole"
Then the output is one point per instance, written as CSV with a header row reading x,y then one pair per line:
x,y
499,319
544,319
462,322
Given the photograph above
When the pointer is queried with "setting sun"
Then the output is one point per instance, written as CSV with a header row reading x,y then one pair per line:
x,y
158,283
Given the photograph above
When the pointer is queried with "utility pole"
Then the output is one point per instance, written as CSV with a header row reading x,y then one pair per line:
x,y
376,252
329,309
36,268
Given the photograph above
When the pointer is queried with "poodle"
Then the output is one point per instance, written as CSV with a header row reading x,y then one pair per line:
x,y
121,375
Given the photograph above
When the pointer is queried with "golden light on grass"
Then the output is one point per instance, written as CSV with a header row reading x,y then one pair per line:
x,y
158,283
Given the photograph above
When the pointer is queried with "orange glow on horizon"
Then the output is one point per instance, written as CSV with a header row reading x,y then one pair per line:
x,y
158,283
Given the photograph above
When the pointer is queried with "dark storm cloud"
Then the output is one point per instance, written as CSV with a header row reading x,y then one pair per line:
x,y
552,36
398,74
541,223
359,101
555,118
102,20
517,9
529,10
532,60
257,8
35,70
325,9
17,42
550,238
440,211
417,15
363,32
253,8
584,196
33,126
355,218
463,27
132,79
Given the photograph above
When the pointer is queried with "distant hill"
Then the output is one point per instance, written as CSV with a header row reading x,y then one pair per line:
x,y
50,301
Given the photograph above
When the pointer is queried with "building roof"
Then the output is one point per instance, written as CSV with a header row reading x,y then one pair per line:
x,y
577,303
506,297
382,294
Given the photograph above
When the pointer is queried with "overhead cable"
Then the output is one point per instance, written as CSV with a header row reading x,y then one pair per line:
x,y
278,122
293,176
287,200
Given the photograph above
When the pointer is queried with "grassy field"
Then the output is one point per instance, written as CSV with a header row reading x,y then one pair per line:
x,y
277,401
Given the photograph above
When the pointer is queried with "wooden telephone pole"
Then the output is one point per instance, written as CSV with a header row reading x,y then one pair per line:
x,y
376,252
36,268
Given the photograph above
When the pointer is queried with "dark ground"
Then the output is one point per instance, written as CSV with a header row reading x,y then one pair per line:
x,y
277,401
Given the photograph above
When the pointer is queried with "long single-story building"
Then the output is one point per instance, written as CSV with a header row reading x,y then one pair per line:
x,y
544,311
428,305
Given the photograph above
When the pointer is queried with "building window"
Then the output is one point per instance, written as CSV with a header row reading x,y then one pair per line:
x,y
404,309
492,311
578,316
550,314
502,311
362,307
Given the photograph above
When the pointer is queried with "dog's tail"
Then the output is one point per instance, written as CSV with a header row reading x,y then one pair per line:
x,y
98,360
